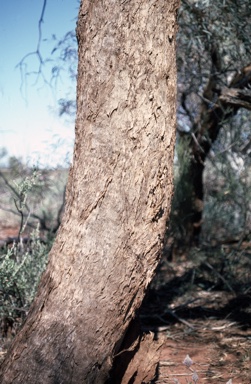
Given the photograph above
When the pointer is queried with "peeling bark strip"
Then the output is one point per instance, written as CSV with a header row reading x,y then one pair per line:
x,y
239,98
118,196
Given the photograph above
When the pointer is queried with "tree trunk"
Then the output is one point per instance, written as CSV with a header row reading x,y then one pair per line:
x,y
118,196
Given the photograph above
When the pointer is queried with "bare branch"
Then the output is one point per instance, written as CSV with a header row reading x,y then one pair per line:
x,y
22,65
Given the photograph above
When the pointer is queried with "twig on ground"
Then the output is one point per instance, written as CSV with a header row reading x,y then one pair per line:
x,y
219,276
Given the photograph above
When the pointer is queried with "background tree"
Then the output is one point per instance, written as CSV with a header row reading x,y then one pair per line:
x,y
118,196
214,76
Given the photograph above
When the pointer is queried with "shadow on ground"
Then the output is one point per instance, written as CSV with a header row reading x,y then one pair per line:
x,y
201,302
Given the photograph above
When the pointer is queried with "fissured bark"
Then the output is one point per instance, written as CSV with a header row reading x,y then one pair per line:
x,y
118,196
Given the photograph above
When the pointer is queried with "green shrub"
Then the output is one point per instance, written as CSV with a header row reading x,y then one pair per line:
x,y
21,267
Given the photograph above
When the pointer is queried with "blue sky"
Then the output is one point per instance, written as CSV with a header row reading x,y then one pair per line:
x,y
29,123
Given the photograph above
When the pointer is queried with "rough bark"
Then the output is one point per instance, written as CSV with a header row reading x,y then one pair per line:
x,y
118,196
143,366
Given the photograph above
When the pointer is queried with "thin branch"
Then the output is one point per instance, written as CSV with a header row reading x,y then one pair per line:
x,y
9,185
220,276
22,65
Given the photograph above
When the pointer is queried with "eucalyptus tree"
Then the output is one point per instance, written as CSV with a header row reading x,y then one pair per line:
x,y
117,199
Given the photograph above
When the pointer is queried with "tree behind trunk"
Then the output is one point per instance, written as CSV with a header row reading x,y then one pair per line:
x,y
211,51
118,196
218,106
